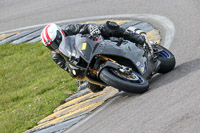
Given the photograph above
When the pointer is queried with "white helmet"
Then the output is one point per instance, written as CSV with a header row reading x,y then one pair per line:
x,y
52,36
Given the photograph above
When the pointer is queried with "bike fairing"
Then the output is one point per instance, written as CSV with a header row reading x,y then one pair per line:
x,y
108,29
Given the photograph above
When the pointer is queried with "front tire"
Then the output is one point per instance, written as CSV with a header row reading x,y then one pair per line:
x,y
167,60
132,85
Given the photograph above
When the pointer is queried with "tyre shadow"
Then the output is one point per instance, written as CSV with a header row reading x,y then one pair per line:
x,y
177,73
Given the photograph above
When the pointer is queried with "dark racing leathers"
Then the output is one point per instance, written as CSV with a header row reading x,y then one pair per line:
x,y
109,29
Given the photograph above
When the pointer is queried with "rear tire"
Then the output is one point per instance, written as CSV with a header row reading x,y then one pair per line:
x,y
111,78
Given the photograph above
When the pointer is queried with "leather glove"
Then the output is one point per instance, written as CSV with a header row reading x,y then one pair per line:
x,y
94,31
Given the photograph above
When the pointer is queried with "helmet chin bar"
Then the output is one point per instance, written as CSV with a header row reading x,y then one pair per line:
x,y
53,48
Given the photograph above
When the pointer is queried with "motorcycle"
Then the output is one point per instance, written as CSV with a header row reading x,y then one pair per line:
x,y
119,63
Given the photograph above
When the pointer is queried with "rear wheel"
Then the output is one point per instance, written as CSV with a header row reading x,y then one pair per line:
x,y
167,60
133,83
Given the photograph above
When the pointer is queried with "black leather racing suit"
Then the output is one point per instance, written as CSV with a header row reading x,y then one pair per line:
x,y
109,29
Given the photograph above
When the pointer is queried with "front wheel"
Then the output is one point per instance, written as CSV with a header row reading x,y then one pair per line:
x,y
167,60
133,83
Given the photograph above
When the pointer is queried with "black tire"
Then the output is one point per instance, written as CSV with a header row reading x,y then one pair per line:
x,y
167,61
130,85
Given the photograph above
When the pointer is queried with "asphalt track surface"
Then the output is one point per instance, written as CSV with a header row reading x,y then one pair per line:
x,y
173,102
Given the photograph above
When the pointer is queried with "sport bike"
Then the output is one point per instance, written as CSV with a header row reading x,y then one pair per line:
x,y
116,62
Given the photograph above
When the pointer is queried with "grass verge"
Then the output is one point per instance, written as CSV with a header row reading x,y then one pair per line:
x,y
31,86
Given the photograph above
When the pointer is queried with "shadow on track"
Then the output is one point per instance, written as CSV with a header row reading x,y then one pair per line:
x,y
179,72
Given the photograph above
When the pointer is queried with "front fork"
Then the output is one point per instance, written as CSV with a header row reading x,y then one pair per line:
x,y
148,44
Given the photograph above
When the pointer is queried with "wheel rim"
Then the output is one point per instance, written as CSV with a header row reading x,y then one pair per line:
x,y
164,54
133,77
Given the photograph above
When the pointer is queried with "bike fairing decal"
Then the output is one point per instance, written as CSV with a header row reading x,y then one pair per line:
x,y
84,45
142,69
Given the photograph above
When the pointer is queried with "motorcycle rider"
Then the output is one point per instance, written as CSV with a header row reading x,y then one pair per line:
x,y
52,36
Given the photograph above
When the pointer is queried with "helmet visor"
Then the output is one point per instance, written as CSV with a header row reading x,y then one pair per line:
x,y
55,44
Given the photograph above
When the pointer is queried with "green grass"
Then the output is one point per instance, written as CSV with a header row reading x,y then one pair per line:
x,y
31,86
